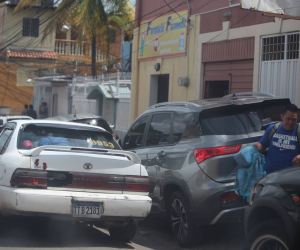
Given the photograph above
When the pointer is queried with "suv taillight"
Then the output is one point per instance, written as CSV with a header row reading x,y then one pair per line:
x,y
29,178
201,154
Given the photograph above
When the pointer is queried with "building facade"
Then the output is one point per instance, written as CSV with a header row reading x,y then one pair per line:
x,y
228,50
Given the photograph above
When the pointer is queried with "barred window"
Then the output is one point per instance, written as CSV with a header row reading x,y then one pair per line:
x,y
292,46
283,47
273,48
31,27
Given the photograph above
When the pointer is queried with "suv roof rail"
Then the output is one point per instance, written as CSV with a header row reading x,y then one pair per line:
x,y
163,104
250,94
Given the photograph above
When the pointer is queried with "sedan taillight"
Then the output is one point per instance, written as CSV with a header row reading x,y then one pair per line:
x,y
29,178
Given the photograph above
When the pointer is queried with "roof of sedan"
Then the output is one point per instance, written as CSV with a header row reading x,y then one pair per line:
x,y
68,124
72,117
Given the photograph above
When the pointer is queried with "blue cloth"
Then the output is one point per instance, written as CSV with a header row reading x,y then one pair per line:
x,y
251,168
283,148
50,140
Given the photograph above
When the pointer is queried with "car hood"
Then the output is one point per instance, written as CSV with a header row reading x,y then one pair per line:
x,y
287,176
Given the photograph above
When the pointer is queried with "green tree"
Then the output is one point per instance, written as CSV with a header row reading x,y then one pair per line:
x,y
94,20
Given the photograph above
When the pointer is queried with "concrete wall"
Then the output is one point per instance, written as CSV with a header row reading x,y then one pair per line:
x,y
14,27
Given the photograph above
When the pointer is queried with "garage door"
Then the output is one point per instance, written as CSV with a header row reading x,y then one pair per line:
x,y
221,78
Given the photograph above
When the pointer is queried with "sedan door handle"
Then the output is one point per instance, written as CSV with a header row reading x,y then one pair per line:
x,y
161,154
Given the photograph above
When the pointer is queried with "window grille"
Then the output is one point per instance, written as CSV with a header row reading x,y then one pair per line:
x,y
273,48
31,27
292,46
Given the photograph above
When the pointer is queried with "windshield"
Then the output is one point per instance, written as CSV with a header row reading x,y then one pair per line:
x,y
36,135
239,120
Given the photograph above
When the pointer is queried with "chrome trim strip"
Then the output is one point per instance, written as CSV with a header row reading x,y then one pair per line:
x,y
225,212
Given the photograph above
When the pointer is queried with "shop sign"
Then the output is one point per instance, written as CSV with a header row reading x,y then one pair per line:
x,y
163,36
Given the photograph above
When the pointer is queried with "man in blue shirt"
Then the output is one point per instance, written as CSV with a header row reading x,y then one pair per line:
x,y
283,147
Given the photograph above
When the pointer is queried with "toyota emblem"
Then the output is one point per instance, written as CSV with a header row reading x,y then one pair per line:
x,y
87,166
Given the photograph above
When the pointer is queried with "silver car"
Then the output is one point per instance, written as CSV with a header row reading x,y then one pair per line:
x,y
188,148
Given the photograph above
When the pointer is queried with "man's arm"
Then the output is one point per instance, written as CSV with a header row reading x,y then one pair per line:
x,y
260,147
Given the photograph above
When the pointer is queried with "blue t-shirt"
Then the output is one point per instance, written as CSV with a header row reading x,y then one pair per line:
x,y
283,148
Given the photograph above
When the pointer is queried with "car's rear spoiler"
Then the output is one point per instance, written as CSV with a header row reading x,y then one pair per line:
x,y
36,152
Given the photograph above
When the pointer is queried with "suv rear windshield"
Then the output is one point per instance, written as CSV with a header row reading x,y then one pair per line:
x,y
238,120
96,122
36,135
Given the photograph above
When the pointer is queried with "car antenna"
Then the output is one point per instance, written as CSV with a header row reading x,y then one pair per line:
x,y
233,97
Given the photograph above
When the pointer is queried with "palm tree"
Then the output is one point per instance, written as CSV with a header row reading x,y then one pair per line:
x,y
94,20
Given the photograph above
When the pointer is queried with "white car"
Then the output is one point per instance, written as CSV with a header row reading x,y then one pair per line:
x,y
7,118
71,171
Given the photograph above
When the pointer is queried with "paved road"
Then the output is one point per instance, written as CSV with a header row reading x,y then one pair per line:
x,y
152,234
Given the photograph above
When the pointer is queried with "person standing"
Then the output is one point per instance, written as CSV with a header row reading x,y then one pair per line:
x,y
24,111
43,110
31,112
283,147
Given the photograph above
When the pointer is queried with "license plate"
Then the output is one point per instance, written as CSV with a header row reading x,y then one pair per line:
x,y
86,210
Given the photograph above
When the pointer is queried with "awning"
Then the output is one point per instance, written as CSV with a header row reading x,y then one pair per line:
x,y
277,8
108,91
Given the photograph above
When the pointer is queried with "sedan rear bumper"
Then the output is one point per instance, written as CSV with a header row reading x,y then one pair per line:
x,y
18,201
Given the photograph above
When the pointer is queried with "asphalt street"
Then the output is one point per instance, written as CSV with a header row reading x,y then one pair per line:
x,y
152,234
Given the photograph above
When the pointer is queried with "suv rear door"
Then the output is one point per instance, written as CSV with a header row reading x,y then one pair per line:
x,y
232,127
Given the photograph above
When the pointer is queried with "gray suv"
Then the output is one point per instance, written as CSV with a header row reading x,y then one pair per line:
x,y
188,148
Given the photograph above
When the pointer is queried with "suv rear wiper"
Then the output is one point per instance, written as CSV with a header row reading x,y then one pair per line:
x,y
266,125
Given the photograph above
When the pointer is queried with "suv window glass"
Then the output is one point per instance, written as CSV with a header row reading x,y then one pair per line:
x,y
96,122
185,126
4,137
134,137
159,130
1,122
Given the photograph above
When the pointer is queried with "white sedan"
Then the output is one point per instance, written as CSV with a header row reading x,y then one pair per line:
x,y
71,171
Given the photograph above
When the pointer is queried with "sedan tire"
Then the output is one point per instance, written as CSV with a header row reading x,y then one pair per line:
x,y
126,233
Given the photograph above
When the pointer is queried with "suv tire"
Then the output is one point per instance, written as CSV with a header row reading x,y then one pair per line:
x,y
270,234
126,233
180,220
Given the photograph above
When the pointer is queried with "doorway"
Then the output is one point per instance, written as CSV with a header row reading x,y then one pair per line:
x,y
215,89
163,88
159,89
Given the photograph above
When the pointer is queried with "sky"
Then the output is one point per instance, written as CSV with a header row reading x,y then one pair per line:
x,y
133,2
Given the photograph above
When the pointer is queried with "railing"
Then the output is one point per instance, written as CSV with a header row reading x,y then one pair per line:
x,y
72,47
69,47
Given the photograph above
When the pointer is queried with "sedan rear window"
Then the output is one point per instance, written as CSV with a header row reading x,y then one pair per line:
x,y
36,135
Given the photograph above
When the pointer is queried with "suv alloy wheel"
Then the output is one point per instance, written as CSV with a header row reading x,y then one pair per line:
x,y
181,223
268,235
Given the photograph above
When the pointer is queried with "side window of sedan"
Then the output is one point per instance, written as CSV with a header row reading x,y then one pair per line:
x,y
4,137
134,137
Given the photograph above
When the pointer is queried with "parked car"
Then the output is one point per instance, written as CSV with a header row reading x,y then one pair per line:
x,y
71,171
7,118
272,221
90,119
188,148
